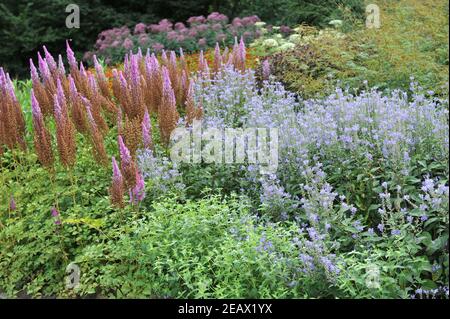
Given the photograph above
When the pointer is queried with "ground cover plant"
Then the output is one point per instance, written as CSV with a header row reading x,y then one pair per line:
x,y
357,206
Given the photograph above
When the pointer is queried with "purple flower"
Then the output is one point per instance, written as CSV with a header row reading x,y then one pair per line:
x,y
146,130
266,69
12,203
380,227
55,214
395,232
137,194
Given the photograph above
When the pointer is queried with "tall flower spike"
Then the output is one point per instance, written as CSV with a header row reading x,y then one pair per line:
x,y
266,69
217,58
95,135
242,54
117,188
42,138
65,130
71,56
43,68
61,68
50,60
147,131
137,193
127,164
167,111
34,72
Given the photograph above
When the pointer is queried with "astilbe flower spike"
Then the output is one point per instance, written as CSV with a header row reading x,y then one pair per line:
x,y
77,108
41,92
147,131
137,193
167,112
65,130
217,59
95,135
117,188
266,69
42,138
127,165
192,112
12,123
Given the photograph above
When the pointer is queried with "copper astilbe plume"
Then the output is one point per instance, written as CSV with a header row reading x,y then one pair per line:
x,y
65,130
96,100
153,83
167,112
175,77
12,124
217,59
78,111
95,135
117,187
127,165
42,138
192,111
101,79
132,133
147,131
238,55
41,93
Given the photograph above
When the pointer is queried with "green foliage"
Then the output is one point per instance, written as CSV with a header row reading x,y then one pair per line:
x,y
291,12
408,44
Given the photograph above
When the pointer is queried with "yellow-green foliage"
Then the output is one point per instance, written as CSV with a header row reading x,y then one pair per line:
x,y
412,42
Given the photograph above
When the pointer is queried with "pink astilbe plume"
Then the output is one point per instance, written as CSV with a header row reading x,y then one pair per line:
x,y
242,55
147,131
42,138
50,60
71,57
127,165
101,78
266,69
117,187
42,93
12,123
137,193
217,59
